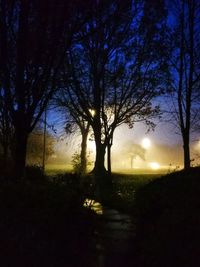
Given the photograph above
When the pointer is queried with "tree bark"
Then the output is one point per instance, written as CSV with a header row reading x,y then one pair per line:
x,y
109,159
99,167
185,123
21,138
83,155
109,145
186,152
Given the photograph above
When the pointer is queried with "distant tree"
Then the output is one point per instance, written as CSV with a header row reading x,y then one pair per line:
x,y
33,38
136,150
73,123
184,61
116,68
84,127
35,146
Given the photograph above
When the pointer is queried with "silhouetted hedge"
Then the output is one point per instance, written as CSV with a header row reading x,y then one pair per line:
x,y
43,224
168,226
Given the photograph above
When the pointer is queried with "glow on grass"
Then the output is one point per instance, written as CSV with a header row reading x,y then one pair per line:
x,y
93,205
146,143
154,165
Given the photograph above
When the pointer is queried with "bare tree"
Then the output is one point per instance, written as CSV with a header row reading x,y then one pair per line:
x,y
6,133
185,72
73,121
33,38
116,69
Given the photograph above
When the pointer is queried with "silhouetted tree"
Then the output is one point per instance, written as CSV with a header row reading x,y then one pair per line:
x,y
83,127
33,37
6,133
73,122
184,61
116,68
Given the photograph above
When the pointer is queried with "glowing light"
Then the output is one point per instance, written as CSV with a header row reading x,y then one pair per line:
x,y
92,112
154,165
146,143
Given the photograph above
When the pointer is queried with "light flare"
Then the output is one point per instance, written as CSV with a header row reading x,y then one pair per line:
x,y
154,165
146,143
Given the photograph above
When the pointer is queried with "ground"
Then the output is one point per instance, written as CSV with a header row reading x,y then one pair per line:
x,y
155,217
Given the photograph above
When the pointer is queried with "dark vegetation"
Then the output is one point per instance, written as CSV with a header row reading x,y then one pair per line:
x,y
123,190
43,221
168,230
43,224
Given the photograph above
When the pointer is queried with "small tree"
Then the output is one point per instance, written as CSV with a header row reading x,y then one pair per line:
x,y
35,147
74,121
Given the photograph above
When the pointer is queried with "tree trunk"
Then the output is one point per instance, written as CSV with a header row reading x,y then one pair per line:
x,y
109,159
84,150
186,151
102,179
99,167
21,138
44,141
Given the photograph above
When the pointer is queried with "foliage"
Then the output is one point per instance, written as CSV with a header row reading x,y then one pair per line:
x,y
44,223
124,188
34,173
76,162
35,146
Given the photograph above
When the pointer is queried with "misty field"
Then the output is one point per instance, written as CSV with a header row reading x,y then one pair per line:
x,y
53,169
62,168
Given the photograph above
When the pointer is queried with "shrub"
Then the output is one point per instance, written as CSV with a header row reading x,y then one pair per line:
x,y
168,230
34,173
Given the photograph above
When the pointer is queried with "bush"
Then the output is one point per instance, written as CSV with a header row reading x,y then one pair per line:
x,y
43,224
168,229
34,173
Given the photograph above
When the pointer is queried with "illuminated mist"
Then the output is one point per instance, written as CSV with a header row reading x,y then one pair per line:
x,y
133,151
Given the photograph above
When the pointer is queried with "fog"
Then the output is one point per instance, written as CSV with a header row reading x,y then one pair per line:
x,y
129,154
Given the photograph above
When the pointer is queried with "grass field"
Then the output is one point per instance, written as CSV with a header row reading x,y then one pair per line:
x,y
124,189
53,169
125,184
62,168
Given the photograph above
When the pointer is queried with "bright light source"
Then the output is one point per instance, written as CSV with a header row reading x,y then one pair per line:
x,y
92,112
146,143
154,165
